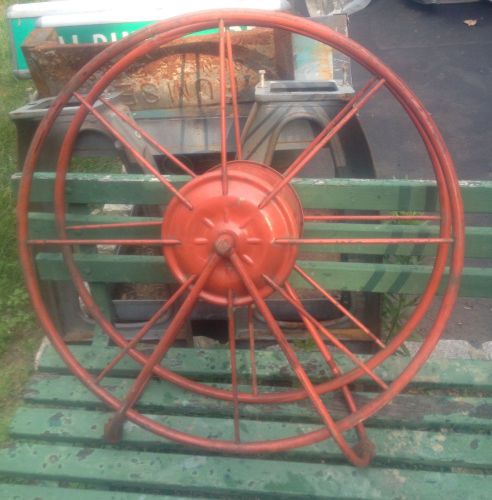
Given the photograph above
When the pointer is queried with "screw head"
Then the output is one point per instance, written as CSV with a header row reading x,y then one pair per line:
x,y
224,244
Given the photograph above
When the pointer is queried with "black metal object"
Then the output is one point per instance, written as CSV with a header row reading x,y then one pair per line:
x,y
281,122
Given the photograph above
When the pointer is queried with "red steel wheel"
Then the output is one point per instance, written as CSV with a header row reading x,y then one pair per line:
x,y
231,237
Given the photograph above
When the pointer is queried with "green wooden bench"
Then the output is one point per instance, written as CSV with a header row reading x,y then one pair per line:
x,y
433,440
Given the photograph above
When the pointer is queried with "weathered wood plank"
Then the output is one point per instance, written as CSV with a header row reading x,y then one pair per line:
x,y
407,432
419,449
40,492
406,411
478,239
272,367
349,194
349,276
101,268
231,476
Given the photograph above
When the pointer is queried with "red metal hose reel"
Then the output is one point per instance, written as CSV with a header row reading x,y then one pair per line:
x,y
231,237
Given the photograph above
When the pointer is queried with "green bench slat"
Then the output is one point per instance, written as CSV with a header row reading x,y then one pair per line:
x,y
39,492
398,447
411,411
435,440
353,276
348,194
478,239
271,366
42,225
232,476
101,268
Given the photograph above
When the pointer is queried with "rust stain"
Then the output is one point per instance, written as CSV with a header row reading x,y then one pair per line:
x,y
180,74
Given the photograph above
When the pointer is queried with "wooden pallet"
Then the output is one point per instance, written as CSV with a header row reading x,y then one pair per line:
x,y
434,440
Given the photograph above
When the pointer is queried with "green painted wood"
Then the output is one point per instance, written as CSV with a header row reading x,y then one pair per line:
x,y
42,225
410,411
272,367
40,492
215,475
102,268
407,432
350,194
399,447
478,239
350,276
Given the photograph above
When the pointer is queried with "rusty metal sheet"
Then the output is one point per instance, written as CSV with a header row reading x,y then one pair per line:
x,y
181,74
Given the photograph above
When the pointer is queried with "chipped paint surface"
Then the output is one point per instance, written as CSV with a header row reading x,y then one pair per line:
x,y
181,74
63,423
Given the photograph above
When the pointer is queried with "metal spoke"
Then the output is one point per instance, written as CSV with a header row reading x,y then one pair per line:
x,y
241,180
233,83
113,428
323,348
143,162
148,325
252,359
327,334
112,225
231,328
334,126
362,241
147,136
325,352
223,121
105,242
336,218
338,305
301,374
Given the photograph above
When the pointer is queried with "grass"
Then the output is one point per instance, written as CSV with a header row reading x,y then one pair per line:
x,y
397,308
19,337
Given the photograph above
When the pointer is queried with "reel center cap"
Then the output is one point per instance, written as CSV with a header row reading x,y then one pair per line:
x,y
224,244
223,223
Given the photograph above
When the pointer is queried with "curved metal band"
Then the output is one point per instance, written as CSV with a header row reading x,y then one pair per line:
x,y
450,201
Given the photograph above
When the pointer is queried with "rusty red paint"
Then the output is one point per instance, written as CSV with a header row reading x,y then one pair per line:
x,y
252,357
366,448
231,330
305,315
332,128
234,96
362,241
297,367
142,161
223,108
237,216
369,218
114,425
114,225
146,328
102,241
338,305
451,228
147,136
